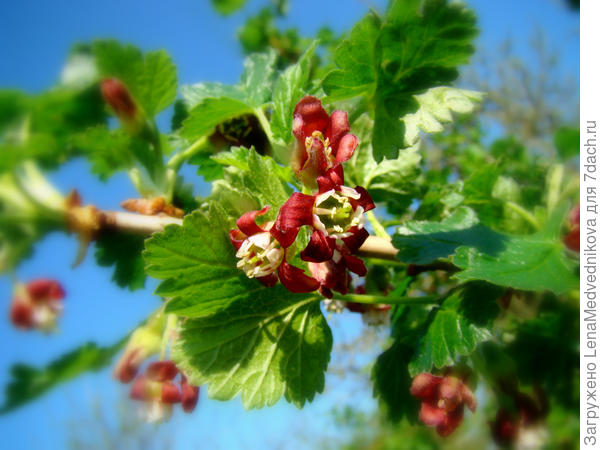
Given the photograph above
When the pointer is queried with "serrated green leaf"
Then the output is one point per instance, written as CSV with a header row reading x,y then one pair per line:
x,y
124,252
356,60
108,151
150,78
261,347
197,262
209,113
530,262
392,381
227,7
157,82
289,89
457,327
195,93
28,382
391,181
435,109
424,242
260,176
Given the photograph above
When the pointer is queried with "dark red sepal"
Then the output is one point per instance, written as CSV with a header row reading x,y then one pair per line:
x,y
161,370
189,396
356,239
295,280
365,199
333,179
268,280
355,264
345,150
295,212
170,393
319,248
237,238
43,289
247,222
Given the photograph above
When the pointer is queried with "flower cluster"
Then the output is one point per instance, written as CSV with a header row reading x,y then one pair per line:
x,y
37,304
334,212
443,401
158,391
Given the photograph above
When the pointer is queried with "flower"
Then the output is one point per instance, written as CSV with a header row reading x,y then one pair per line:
x,y
262,256
37,304
335,213
159,393
572,239
443,401
322,141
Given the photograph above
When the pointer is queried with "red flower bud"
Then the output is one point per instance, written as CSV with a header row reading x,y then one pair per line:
x,y
117,95
572,239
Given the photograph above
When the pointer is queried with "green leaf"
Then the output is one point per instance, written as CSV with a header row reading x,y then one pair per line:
x,y
566,141
257,78
424,242
457,327
392,181
262,347
533,262
150,78
356,60
124,62
289,89
124,252
28,382
435,109
195,93
108,151
417,47
209,113
227,7
157,82
530,262
197,262
392,381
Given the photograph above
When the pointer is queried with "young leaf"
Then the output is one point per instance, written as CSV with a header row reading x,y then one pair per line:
x,y
289,89
457,327
28,382
262,347
435,108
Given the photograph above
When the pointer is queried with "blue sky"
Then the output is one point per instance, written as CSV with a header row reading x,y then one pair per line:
x,y
34,40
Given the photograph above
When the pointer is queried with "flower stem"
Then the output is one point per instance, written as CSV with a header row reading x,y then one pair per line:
x,y
377,299
264,123
378,228
530,218
180,157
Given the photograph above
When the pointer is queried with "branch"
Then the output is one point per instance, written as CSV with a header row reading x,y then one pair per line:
x,y
374,246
